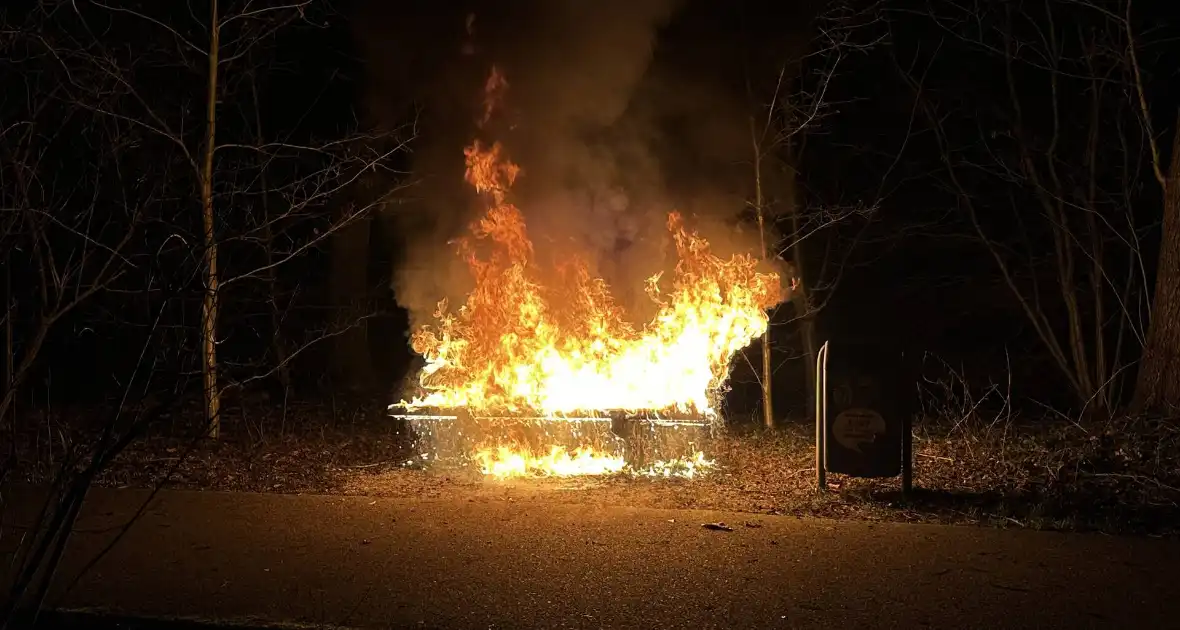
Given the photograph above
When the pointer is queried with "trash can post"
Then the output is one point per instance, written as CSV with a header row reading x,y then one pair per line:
x,y
821,412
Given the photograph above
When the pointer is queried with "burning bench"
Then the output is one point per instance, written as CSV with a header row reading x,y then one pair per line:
x,y
567,445
545,332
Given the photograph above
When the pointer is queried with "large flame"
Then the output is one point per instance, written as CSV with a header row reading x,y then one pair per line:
x,y
506,461
551,339
518,345
511,461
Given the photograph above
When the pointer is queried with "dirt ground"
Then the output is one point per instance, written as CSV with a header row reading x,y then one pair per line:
x,y
1118,476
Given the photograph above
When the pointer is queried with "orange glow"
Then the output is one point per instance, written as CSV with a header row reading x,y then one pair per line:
x,y
504,461
517,345
551,339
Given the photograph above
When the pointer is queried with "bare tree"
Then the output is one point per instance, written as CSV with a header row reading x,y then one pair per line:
x,y
784,110
96,171
209,309
77,203
1158,386
1058,161
148,395
270,246
234,33
72,212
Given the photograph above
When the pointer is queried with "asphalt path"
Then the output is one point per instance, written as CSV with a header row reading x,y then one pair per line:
x,y
491,563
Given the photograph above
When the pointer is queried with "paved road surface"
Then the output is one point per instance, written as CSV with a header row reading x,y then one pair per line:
x,y
484,563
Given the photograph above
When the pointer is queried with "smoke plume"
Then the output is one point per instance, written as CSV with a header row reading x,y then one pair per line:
x,y
585,116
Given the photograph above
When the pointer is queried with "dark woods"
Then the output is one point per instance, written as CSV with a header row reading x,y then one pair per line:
x,y
172,178
105,138
1020,153
984,179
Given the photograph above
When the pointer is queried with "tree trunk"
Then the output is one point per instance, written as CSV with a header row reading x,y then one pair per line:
x,y
801,299
209,305
277,343
9,345
801,295
1158,385
29,352
351,360
760,209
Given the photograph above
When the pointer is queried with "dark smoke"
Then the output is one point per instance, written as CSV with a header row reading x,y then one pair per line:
x,y
592,183
586,116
